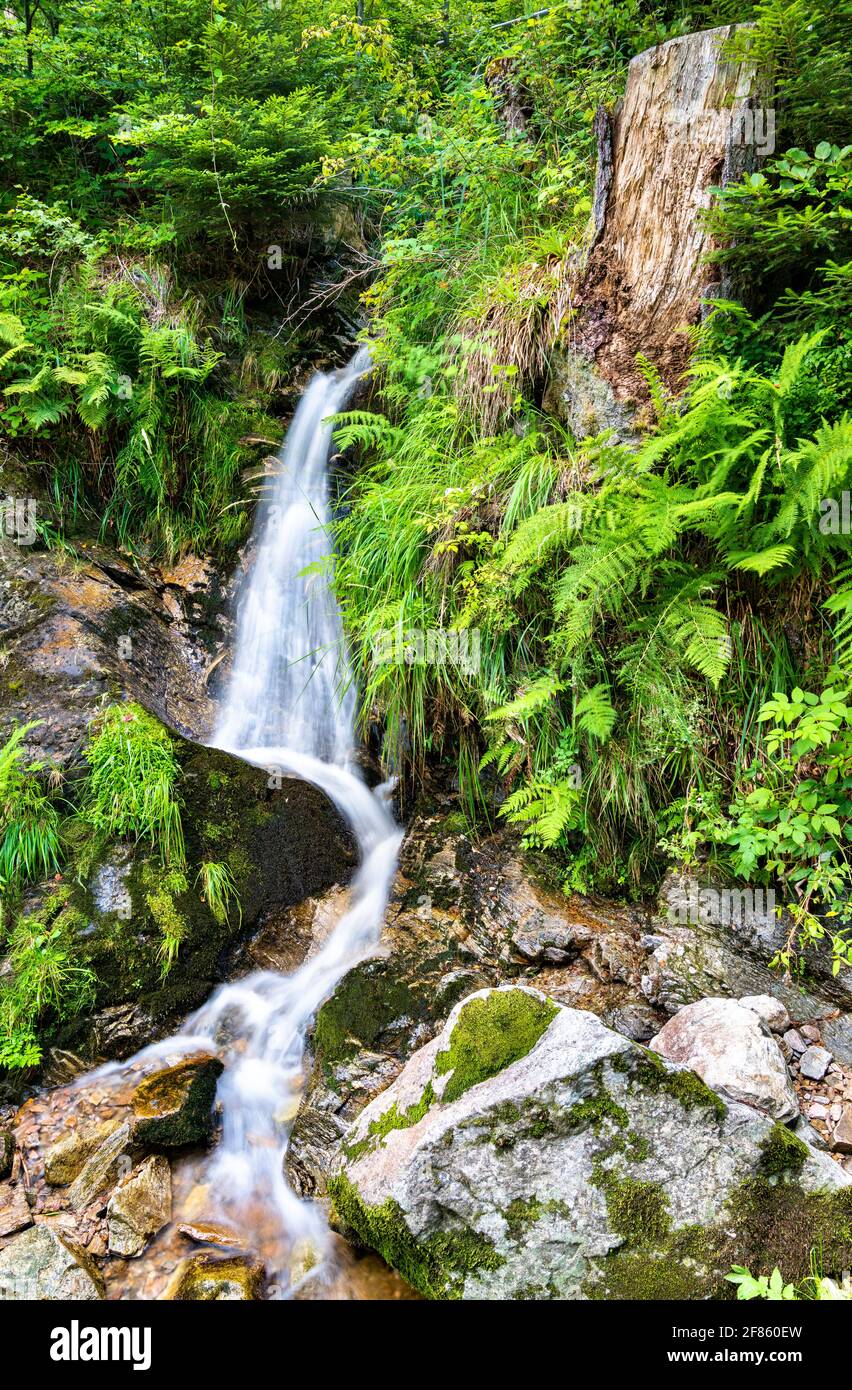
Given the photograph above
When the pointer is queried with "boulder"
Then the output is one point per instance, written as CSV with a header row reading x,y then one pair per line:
x,y
109,1161
206,1278
529,1152
140,1206
65,1159
462,915
729,1048
175,1106
41,1264
769,1010
14,1209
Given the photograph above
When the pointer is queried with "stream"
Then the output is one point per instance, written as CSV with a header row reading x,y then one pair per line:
x,y
290,709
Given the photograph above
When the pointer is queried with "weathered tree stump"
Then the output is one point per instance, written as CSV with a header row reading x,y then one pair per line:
x,y
689,120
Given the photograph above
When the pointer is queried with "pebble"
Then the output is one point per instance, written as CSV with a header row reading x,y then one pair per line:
x,y
817,1112
841,1140
812,1033
815,1062
836,1112
794,1040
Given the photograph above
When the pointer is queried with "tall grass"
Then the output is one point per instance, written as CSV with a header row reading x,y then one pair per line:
x,y
131,789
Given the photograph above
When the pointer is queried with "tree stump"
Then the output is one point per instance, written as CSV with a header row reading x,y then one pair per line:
x,y
689,120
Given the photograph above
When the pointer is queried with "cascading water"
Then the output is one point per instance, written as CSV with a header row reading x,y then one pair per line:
x,y
289,708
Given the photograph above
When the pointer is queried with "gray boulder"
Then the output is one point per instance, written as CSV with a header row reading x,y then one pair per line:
x,y
529,1152
729,1047
42,1265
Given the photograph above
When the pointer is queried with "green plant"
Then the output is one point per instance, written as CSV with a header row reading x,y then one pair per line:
x,y
131,787
29,837
45,982
771,1287
218,889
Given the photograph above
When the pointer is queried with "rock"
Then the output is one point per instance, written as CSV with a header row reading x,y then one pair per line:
x,y
841,1139
109,1161
529,1152
41,1264
7,1151
637,1021
208,1233
140,1206
699,958
814,1063
728,1047
175,1106
462,915
206,1277
304,1258
14,1209
811,1033
795,1041
818,1112
769,1009
554,942
64,1160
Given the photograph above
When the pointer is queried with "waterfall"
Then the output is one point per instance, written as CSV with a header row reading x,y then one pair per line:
x,y
289,707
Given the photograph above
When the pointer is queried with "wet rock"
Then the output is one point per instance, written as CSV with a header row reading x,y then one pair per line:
x,y
64,1160
175,1106
728,1047
769,1010
14,1209
7,1151
207,1278
140,1206
814,1063
42,1264
209,1233
111,1160
529,1152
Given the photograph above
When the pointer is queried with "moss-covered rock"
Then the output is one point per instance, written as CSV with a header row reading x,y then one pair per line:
x,y
175,1106
572,1163
207,1278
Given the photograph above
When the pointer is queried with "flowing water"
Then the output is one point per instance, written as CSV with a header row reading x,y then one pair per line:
x,y
290,709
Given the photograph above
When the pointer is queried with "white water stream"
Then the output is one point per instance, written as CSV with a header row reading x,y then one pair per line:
x,y
290,708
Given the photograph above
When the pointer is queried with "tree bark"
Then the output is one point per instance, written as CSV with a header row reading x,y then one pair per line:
x,y
685,123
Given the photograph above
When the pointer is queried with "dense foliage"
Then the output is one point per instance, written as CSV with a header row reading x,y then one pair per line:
x,y
200,196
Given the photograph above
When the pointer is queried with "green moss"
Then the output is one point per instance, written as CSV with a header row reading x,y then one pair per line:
x,y
638,1211
437,1265
366,1003
491,1033
782,1152
521,1214
685,1267
650,1073
391,1119
777,1223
